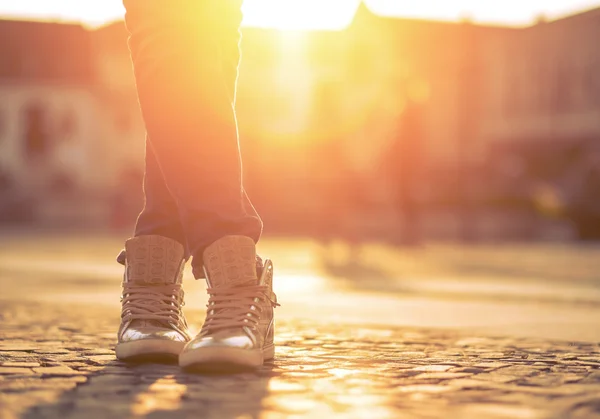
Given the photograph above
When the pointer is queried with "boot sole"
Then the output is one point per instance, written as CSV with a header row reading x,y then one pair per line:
x,y
224,360
149,350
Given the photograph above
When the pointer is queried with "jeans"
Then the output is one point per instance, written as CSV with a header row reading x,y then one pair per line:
x,y
185,56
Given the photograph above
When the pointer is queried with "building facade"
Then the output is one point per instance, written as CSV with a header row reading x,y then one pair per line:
x,y
64,128
548,83
321,109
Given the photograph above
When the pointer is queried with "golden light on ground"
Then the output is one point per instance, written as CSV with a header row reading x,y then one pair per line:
x,y
163,395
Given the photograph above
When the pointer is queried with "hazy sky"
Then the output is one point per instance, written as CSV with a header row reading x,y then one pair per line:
x,y
317,13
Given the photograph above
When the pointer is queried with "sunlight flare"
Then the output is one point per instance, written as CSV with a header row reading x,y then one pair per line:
x,y
295,15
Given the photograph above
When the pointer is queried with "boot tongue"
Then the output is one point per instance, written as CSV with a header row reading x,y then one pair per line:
x,y
154,260
231,262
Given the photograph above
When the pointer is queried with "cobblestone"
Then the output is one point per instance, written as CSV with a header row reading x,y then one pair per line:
x,y
15,371
20,364
64,368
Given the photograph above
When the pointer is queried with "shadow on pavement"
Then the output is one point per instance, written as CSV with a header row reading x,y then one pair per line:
x,y
352,272
64,367
157,391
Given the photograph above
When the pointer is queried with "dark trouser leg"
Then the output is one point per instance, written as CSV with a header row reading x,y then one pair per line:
x,y
160,215
185,55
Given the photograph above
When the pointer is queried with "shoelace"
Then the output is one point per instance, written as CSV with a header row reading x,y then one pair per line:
x,y
162,303
231,307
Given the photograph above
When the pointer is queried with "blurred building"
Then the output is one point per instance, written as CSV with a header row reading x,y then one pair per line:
x,y
546,84
325,115
349,90
541,129
47,100
48,112
124,130
60,121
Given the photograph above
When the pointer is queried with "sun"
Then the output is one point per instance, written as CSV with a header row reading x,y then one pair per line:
x,y
299,14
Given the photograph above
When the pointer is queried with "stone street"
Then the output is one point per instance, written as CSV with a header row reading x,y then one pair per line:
x,y
441,331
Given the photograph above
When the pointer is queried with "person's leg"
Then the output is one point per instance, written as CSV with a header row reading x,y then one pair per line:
x,y
160,215
185,55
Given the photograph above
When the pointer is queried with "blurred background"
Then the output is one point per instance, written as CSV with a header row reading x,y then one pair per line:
x,y
417,163
379,120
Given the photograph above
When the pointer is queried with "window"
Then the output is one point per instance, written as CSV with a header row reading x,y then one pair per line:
x,y
562,94
36,135
3,124
67,125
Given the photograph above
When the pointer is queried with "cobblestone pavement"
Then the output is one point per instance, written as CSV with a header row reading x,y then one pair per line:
x,y
64,367
59,313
